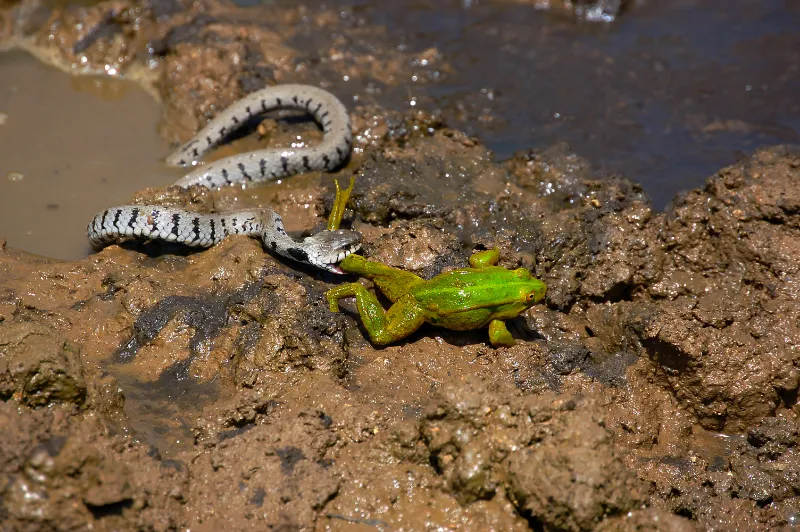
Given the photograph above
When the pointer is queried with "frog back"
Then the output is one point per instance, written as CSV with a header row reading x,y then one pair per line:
x,y
468,289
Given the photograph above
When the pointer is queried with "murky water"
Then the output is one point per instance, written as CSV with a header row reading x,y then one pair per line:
x,y
666,95
70,147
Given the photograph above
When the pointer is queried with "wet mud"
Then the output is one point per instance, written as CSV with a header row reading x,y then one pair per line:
x,y
150,387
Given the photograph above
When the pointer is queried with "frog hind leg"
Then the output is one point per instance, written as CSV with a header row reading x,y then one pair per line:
x,y
339,204
394,283
482,259
499,334
403,318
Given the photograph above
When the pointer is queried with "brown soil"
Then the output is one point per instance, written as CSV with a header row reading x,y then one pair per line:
x,y
151,388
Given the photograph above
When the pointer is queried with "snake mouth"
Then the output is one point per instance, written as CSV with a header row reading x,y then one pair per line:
x,y
343,254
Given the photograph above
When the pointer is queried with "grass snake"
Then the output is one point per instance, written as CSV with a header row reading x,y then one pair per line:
x,y
322,250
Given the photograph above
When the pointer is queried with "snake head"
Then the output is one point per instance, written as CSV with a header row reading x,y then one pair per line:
x,y
328,248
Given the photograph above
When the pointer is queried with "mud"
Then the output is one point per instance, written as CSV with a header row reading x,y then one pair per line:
x,y
152,387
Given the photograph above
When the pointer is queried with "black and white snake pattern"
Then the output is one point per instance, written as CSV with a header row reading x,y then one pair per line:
x,y
322,250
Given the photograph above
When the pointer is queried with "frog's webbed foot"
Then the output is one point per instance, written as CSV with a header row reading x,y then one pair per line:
x,y
482,259
499,334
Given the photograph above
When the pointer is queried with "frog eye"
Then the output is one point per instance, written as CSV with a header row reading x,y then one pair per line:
x,y
531,297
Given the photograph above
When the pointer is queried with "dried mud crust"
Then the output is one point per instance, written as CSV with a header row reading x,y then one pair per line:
x,y
149,387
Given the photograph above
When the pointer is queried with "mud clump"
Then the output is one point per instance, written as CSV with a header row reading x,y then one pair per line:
x,y
588,234
38,367
550,454
585,484
309,425
64,472
726,325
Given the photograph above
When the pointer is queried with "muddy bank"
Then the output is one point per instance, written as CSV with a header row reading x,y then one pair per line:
x,y
147,387
264,408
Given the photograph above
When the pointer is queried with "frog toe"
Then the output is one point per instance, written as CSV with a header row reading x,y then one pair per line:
x,y
499,335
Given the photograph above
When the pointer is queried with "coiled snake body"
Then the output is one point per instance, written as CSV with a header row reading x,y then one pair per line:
x,y
322,250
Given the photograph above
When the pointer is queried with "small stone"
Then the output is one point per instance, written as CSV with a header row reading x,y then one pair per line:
x,y
15,176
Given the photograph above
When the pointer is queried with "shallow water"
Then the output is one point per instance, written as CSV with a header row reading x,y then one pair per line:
x,y
70,147
666,95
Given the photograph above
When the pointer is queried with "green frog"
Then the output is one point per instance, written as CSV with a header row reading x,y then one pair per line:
x,y
462,299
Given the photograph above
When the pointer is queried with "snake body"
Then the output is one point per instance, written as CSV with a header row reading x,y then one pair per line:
x,y
263,165
322,250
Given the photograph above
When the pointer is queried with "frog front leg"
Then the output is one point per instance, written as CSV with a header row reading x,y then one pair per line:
x,y
482,259
499,334
394,283
384,327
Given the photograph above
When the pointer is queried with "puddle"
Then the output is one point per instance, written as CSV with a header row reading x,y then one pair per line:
x,y
70,147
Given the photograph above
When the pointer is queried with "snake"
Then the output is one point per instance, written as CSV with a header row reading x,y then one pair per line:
x,y
322,250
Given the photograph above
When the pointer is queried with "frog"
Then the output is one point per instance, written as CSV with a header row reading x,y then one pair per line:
x,y
462,299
